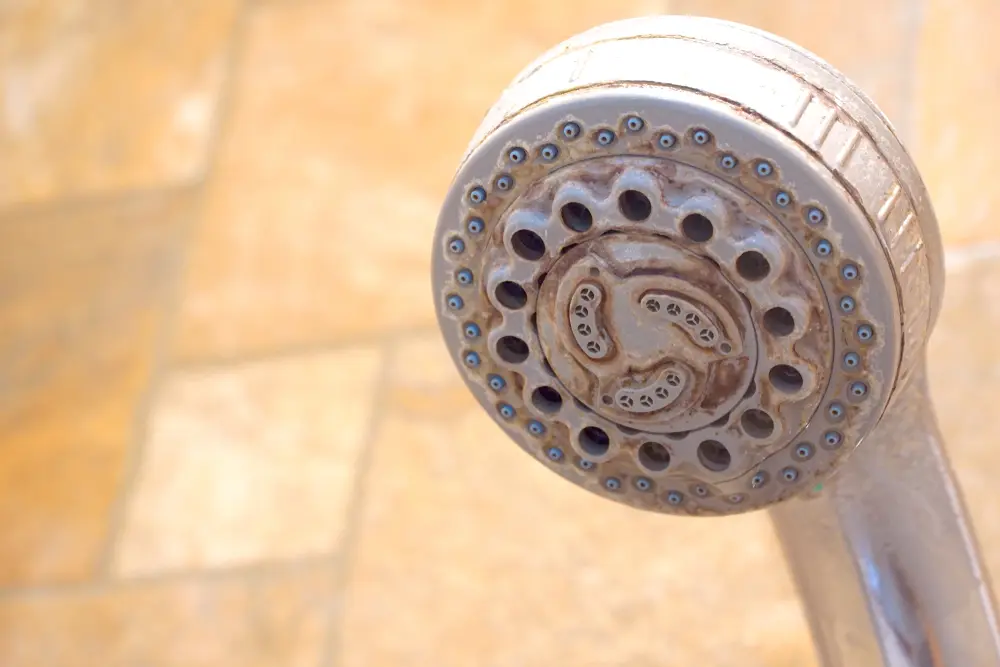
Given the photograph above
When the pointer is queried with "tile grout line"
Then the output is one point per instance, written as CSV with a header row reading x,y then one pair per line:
x,y
354,514
961,257
248,571
303,349
912,18
76,202
162,345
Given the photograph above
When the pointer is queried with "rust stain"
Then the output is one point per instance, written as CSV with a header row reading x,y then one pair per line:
x,y
725,379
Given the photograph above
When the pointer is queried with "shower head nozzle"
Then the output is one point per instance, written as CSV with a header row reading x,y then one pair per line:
x,y
684,264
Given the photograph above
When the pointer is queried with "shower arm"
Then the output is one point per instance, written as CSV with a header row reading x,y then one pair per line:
x,y
883,557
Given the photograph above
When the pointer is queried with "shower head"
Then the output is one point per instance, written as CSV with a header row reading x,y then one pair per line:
x,y
685,264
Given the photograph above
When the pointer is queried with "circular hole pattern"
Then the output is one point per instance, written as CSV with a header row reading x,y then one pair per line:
x,y
752,265
527,245
832,439
605,137
549,152
594,441
570,130
654,457
713,455
512,349
477,195
727,162
517,155
576,216
757,423
697,227
785,378
701,137
634,124
547,400
634,205
667,140
475,225
779,322
782,199
511,295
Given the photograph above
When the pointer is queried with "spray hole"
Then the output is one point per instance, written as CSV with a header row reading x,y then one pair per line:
x,y
654,457
527,245
757,423
713,455
512,349
634,205
576,216
511,295
752,265
785,379
594,441
697,228
779,322
547,400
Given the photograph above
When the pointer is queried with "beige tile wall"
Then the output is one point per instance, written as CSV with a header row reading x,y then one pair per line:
x,y
230,434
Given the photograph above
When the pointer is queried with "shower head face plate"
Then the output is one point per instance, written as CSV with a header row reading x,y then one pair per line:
x,y
666,298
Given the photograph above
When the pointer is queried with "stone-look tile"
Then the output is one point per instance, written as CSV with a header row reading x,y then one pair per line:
x,y
964,374
472,553
106,95
84,295
349,121
957,91
263,621
865,39
249,463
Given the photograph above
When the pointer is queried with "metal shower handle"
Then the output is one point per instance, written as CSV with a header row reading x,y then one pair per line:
x,y
884,558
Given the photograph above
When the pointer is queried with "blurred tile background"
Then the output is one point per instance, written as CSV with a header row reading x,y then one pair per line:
x,y
228,430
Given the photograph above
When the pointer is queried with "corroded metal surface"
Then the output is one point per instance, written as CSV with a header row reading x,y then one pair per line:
x,y
753,353
688,266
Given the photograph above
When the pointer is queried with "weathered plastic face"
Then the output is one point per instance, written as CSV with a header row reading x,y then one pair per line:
x,y
666,297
